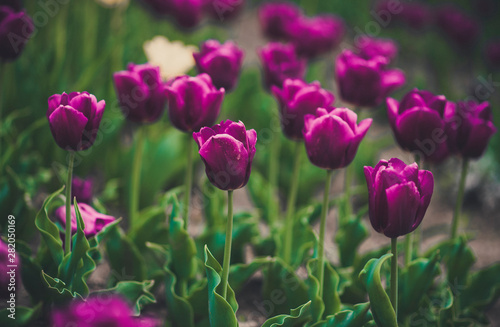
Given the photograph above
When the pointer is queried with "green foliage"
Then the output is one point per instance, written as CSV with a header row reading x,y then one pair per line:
x,y
297,317
137,293
329,303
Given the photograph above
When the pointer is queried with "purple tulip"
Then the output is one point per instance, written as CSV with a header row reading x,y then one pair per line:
x,y
297,99
493,53
416,15
332,138
365,82
140,93
194,102
472,128
227,149
224,9
16,28
82,189
187,13
370,47
420,122
463,30
100,310
398,195
280,62
277,17
5,261
222,62
93,220
74,119
317,35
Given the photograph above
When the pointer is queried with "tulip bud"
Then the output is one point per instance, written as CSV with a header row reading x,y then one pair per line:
x,y
277,17
222,62
370,47
187,13
280,62
365,82
5,262
74,119
16,28
297,99
420,122
399,195
194,102
227,149
140,93
332,137
463,30
93,220
82,189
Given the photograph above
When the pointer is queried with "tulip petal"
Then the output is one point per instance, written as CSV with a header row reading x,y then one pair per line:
x,y
403,202
478,139
416,126
67,126
426,187
392,111
132,94
361,131
54,103
392,80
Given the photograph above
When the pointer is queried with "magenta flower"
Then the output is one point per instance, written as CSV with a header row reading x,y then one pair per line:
x,y
317,35
420,122
277,17
370,47
472,129
140,93
332,138
416,15
296,99
280,62
93,220
187,13
365,82
82,189
100,310
16,28
74,119
223,9
462,29
398,195
5,276
227,149
222,62
194,102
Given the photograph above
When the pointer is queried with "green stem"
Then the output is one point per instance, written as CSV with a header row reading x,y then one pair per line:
x,y
348,177
394,274
289,219
136,178
408,248
227,245
272,206
67,236
189,179
460,198
321,244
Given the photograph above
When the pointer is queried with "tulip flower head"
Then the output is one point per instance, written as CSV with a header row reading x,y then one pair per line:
x,y
332,137
297,99
279,62
227,149
222,62
276,19
82,189
93,220
16,28
140,93
420,122
194,102
399,195
459,27
74,119
366,82
370,47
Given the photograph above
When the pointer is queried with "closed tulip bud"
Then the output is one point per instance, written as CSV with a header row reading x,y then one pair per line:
x,y
93,220
297,99
222,62
140,93
370,47
420,122
227,149
276,18
463,30
16,28
194,102
332,137
82,189
279,62
5,262
472,129
365,82
317,35
399,195
74,119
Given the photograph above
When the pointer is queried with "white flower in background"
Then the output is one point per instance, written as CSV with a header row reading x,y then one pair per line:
x,y
113,3
173,57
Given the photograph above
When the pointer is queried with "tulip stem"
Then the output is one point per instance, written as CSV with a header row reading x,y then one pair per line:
x,y
273,204
289,219
188,180
394,274
67,236
227,245
136,178
348,177
408,249
322,227
460,198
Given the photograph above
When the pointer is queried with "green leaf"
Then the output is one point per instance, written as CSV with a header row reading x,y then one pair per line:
x,y
483,288
349,237
179,308
240,273
215,202
297,317
304,240
329,304
136,293
59,291
357,317
459,260
258,188
382,309
222,312
152,227
21,316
